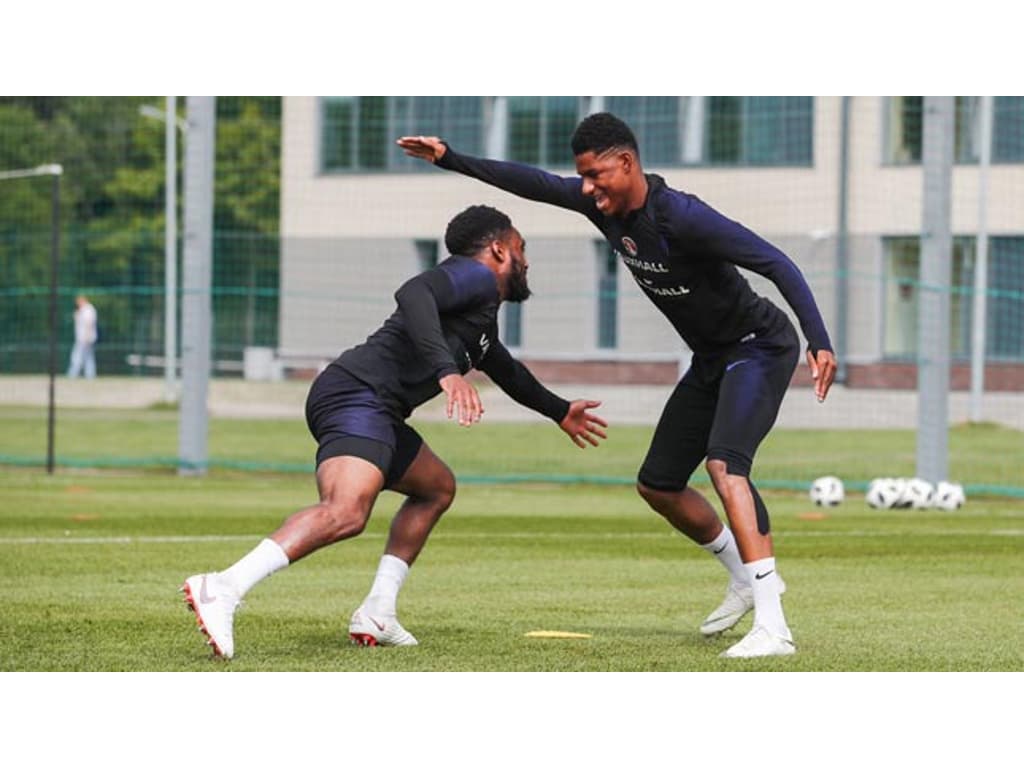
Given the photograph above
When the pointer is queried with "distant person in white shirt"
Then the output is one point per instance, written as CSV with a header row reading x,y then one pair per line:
x,y
83,354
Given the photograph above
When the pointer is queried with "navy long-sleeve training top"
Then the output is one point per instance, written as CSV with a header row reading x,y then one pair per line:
x,y
446,322
681,252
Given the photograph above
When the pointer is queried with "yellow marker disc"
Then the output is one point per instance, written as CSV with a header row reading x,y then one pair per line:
x,y
555,634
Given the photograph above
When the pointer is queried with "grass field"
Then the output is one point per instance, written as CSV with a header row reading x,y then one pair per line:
x,y
91,562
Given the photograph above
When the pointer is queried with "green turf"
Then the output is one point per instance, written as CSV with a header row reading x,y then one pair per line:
x,y
91,561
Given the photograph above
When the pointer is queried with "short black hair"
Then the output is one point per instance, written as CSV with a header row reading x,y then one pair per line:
x,y
475,228
600,132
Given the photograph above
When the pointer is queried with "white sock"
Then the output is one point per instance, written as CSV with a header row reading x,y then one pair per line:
x,y
383,597
724,548
767,601
265,559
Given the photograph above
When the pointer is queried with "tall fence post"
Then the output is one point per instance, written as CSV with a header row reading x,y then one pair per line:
x,y
197,271
979,305
51,417
933,310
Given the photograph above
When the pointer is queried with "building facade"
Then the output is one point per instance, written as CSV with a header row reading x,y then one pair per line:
x,y
835,182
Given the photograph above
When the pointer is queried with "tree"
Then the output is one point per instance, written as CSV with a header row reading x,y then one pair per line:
x,y
113,221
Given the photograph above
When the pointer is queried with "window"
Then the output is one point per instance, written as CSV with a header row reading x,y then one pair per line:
x,y
967,136
607,296
358,132
512,325
426,254
352,129
540,129
730,130
459,120
1004,328
902,257
1008,126
655,122
905,129
759,130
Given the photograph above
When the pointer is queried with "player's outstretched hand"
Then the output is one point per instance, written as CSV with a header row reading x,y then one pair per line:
x,y
582,425
463,399
823,371
429,148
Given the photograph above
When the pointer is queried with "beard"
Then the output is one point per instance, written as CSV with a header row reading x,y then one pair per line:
x,y
518,289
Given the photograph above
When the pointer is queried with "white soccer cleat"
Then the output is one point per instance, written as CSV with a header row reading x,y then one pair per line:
x,y
214,604
738,602
760,642
366,629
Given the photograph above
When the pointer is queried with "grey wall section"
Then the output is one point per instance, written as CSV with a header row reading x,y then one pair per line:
x,y
335,292
558,315
865,300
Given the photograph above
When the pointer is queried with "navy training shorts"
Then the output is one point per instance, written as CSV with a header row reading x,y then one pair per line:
x,y
346,418
722,408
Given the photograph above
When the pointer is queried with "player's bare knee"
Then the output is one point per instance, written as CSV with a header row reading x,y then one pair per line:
x,y
438,495
343,520
660,501
442,494
718,471
446,492
648,494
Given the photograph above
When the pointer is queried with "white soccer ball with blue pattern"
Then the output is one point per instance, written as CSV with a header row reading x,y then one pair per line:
x,y
827,491
949,496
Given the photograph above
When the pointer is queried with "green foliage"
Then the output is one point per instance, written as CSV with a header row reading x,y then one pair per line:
x,y
24,204
249,163
112,218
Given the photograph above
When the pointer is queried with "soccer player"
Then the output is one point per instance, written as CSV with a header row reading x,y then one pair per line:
x,y
444,325
684,256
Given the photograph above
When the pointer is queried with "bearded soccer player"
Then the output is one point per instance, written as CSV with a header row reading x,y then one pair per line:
x,y
444,325
684,256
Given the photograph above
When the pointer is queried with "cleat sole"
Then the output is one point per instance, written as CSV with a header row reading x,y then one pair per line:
x,y
365,640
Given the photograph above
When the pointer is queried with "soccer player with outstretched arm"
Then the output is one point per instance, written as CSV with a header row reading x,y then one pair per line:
x,y
684,256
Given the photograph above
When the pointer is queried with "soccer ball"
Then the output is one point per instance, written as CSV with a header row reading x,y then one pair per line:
x,y
903,501
884,492
917,494
949,496
827,491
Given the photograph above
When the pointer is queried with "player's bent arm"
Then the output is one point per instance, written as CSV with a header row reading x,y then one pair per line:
x,y
516,381
419,306
691,220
